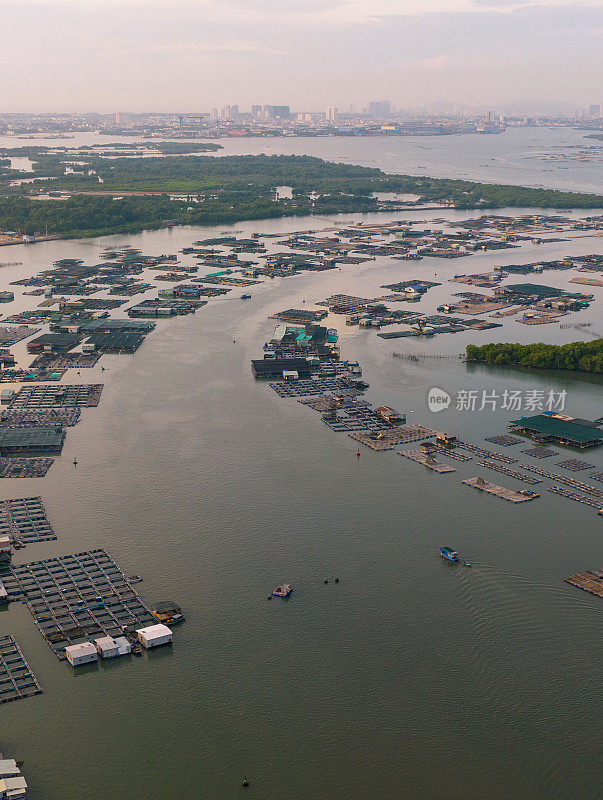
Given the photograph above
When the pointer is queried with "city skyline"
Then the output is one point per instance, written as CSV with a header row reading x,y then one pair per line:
x,y
102,55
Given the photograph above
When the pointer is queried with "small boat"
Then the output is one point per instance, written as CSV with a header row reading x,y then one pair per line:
x,y
449,554
467,564
282,591
245,296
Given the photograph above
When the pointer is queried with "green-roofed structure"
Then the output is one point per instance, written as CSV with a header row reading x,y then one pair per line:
x,y
559,428
38,439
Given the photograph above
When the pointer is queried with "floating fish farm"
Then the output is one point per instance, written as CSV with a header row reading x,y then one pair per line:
x,y
76,598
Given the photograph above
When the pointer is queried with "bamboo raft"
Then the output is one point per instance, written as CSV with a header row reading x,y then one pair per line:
x,y
17,680
591,580
521,496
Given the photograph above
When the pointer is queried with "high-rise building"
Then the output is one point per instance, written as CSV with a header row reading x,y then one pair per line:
x,y
277,112
124,118
594,110
379,108
332,114
229,112
256,111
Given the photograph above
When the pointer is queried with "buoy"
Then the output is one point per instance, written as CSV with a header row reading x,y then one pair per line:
x,y
75,462
336,580
358,453
245,782
325,581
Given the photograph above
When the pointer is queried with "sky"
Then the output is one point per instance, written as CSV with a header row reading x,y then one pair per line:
x,y
192,55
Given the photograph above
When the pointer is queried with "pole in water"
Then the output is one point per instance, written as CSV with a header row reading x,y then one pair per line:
x,y
75,462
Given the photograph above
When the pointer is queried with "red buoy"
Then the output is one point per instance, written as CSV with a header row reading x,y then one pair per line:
x,y
358,453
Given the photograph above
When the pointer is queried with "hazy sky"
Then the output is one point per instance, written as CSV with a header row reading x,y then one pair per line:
x,y
190,55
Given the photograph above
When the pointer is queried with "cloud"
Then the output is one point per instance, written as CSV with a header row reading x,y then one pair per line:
x,y
182,48
437,62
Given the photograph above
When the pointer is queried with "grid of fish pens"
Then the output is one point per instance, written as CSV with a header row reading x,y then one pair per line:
x,y
17,681
77,598
24,520
304,388
47,397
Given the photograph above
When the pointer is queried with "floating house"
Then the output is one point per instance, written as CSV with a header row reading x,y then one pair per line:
x,y
78,654
572,431
12,783
154,636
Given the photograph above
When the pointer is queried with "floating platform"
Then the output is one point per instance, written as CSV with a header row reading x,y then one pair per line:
x,y
520,496
540,452
504,440
575,465
77,598
451,453
17,680
427,460
565,479
591,580
510,472
579,498
480,451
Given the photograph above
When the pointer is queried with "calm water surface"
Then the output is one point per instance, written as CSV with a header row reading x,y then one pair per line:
x,y
410,679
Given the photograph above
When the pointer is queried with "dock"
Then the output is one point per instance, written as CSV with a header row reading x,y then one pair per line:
x,y
425,458
17,680
513,496
591,580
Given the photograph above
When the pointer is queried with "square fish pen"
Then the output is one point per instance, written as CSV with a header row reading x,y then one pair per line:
x,y
24,521
17,681
77,598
